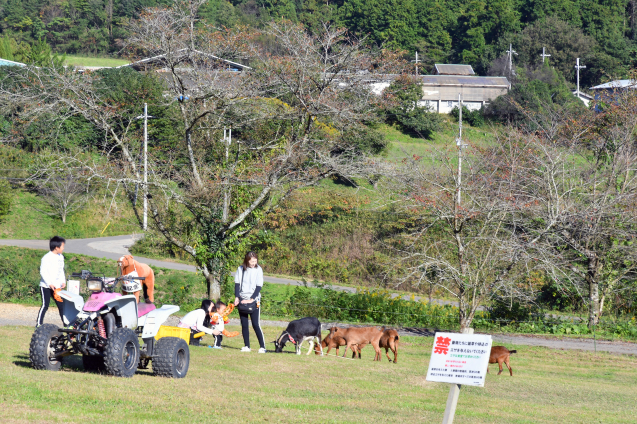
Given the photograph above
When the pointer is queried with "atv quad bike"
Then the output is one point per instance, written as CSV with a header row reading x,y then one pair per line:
x,y
106,330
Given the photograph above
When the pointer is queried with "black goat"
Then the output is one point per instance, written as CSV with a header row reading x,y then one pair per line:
x,y
299,331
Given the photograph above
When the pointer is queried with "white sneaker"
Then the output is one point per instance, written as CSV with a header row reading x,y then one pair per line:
x,y
245,349
262,350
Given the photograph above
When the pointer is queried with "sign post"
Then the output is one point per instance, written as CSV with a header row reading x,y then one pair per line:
x,y
458,359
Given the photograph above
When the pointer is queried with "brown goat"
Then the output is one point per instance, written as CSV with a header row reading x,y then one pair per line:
x,y
501,354
359,336
335,341
389,340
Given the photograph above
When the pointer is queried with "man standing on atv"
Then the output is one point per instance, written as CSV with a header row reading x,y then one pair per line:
x,y
52,276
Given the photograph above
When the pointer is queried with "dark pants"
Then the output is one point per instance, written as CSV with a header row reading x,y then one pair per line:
x,y
47,294
218,340
254,317
193,341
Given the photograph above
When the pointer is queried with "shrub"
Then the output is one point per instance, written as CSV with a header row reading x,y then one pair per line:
x,y
475,118
6,198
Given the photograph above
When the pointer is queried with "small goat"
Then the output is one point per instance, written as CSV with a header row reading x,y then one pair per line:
x,y
501,354
299,331
332,341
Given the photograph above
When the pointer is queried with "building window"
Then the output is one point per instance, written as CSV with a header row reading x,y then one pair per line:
x,y
449,104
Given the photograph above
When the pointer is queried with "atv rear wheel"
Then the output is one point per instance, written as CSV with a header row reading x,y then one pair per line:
x,y
43,348
172,357
121,355
93,363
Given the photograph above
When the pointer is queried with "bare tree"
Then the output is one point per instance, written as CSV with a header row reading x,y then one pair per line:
x,y
288,113
64,189
578,177
464,240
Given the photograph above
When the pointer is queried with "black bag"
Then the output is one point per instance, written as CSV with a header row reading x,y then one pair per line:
x,y
246,307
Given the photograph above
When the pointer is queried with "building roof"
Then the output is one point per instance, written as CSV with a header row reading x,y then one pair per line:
x,y
159,60
6,62
449,69
616,84
471,81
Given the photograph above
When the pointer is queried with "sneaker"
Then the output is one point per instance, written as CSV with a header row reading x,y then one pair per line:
x,y
217,347
245,349
262,350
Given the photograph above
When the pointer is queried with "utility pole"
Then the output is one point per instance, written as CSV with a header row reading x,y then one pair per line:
x,y
578,67
511,52
544,55
417,61
460,146
145,226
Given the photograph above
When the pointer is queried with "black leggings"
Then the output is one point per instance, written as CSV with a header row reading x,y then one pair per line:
x,y
47,294
254,317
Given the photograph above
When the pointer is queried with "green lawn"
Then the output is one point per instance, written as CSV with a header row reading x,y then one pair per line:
x,y
403,145
230,386
26,221
95,61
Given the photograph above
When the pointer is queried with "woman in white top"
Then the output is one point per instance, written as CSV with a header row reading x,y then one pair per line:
x,y
199,320
248,282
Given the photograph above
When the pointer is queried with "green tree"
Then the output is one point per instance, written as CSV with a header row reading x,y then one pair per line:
x,y
404,95
388,22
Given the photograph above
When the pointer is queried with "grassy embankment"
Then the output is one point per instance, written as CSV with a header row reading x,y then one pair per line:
x,y
229,386
72,60
25,221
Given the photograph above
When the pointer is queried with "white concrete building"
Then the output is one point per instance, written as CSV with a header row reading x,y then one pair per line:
x,y
440,92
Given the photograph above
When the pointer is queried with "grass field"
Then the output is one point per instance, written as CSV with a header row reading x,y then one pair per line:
x,y
230,386
94,61
25,221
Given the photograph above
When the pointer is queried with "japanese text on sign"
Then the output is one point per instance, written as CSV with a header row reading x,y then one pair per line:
x,y
459,358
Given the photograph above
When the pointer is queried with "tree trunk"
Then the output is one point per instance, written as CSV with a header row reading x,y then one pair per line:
x,y
465,322
593,291
214,288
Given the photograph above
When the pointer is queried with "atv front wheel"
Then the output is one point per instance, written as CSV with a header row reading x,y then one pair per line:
x,y
121,355
43,347
93,363
172,357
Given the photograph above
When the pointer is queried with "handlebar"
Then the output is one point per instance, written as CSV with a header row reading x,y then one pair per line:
x,y
108,285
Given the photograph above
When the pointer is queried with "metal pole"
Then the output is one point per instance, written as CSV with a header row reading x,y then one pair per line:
x,y
416,62
578,67
459,144
145,226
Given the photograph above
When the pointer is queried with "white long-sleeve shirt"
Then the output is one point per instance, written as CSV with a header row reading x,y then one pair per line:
x,y
195,321
253,277
52,271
